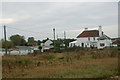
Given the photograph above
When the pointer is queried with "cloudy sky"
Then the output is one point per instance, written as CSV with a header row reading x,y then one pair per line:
x,y
37,19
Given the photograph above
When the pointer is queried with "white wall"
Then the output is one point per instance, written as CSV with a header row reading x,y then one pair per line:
x,y
72,44
114,45
92,42
46,45
48,42
19,52
107,43
85,41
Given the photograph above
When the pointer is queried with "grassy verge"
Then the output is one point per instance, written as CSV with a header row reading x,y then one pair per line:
x,y
80,64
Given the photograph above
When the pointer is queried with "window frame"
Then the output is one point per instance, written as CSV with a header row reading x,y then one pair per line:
x,y
102,44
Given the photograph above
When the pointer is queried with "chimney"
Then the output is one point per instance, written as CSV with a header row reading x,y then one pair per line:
x,y
100,31
86,29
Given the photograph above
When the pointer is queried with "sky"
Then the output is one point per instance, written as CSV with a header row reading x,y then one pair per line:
x,y
37,19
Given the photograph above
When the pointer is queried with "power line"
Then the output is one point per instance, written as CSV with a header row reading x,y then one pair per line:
x,y
23,30
32,32
27,30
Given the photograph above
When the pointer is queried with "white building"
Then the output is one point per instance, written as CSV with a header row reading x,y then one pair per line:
x,y
115,42
92,38
72,44
24,50
46,45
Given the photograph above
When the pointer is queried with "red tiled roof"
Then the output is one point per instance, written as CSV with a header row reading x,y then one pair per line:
x,y
33,44
89,33
116,42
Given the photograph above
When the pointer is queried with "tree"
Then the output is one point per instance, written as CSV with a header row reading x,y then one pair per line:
x,y
38,42
31,40
67,41
18,40
44,40
8,43
57,43
23,41
40,47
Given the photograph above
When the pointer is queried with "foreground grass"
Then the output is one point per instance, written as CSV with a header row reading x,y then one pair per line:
x,y
60,65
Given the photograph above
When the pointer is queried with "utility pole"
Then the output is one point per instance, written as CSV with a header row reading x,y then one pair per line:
x,y
5,39
54,36
64,35
57,36
65,38
54,33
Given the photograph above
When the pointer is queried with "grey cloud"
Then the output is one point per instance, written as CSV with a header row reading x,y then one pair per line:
x,y
42,17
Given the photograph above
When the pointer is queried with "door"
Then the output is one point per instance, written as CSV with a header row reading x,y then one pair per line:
x,y
82,44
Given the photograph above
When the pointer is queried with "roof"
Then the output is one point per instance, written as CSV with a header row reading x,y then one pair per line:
x,y
103,37
24,47
115,39
46,40
89,33
116,42
73,42
33,44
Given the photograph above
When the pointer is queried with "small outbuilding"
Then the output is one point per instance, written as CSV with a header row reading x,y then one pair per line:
x,y
47,45
72,44
25,49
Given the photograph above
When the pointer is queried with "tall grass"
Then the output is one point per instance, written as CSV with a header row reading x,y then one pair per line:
x,y
108,52
73,63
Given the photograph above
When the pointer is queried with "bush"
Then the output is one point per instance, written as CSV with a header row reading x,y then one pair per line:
x,y
77,56
47,57
40,47
50,57
75,49
57,50
108,52
37,51
19,61
23,61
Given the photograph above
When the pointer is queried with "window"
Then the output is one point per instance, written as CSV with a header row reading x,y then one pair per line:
x,y
94,38
89,39
102,44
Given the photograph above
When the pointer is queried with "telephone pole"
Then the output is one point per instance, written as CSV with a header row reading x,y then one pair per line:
x,y
54,36
54,33
65,38
5,39
57,36
64,35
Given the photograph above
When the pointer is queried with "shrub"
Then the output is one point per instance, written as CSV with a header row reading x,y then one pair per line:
x,y
57,50
50,57
40,47
108,52
23,61
47,57
37,51
77,56
17,61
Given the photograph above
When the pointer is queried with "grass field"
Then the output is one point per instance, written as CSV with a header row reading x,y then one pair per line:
x,y
89,63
